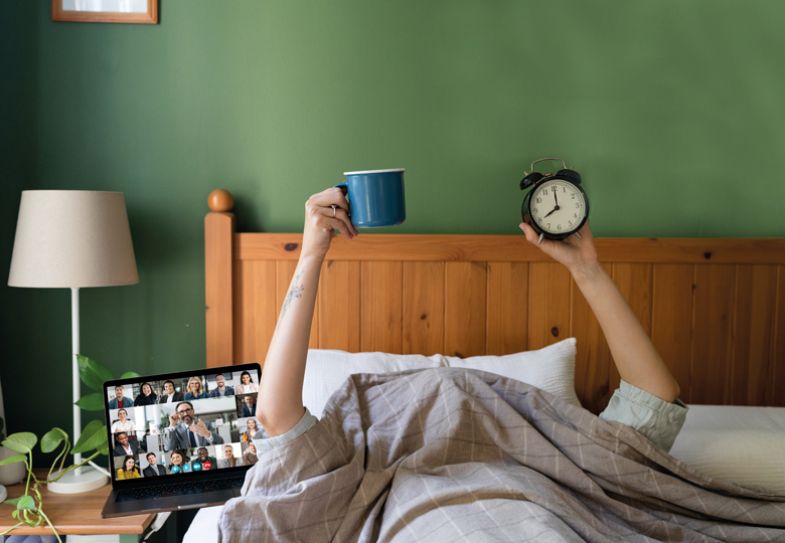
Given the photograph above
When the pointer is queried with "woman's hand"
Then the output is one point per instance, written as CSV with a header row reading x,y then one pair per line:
x,y
325,212
576,252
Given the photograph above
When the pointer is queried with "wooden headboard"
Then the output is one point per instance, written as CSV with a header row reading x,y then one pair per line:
x,y
714,307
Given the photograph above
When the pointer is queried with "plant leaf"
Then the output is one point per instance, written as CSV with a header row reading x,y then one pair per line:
x,y
91,402
21,442
129,374
92,373
13,459
52,439
12,501
93,437
26,502
104,450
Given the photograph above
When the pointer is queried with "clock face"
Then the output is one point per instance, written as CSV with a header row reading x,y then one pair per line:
x,y
557,206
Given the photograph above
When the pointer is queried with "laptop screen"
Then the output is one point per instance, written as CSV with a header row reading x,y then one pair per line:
x,y
183,424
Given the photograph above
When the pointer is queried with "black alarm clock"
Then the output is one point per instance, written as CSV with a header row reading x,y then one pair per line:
x,y
556,207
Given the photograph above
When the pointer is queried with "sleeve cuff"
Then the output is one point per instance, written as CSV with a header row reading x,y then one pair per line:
x,y
269,443
658,420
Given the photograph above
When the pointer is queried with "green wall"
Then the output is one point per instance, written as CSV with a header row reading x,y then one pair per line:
x,y
671,110
18,44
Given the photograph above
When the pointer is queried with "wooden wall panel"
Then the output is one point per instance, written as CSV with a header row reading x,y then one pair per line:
x,y
549,304
593,358
423,307
283,278
776,388
339,306
464,308
255,310
381,306
635,283
753,361
507,311
714,299
671,320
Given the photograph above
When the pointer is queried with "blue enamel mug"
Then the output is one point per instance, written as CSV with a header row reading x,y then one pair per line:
x,y
375,197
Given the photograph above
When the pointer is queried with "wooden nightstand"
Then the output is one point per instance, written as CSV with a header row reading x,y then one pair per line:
x,y
76,514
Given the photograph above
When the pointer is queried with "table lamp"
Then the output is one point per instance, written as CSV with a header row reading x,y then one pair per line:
x,y
73,239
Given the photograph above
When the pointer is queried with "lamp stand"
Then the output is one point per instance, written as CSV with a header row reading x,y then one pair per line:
x,y
86,478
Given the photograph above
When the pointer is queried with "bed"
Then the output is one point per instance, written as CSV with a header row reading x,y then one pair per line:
x,y
714,308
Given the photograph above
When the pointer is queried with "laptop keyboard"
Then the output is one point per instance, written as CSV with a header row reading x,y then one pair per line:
x,y
178,489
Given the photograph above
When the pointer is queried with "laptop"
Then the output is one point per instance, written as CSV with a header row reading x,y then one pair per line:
x,y
180,440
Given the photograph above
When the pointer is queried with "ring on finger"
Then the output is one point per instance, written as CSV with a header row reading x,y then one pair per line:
x,y
333,206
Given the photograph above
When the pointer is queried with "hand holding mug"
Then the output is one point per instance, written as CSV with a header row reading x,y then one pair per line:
x,y
325,212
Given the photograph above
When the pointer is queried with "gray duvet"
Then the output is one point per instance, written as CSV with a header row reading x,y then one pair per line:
x,y
448,455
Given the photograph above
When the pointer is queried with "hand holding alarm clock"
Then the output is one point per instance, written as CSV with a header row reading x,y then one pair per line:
x,y
556,207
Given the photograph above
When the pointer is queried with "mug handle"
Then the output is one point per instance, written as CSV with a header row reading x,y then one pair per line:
x,y
345,189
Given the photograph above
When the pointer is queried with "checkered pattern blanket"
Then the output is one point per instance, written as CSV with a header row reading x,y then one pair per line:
x,y
450,454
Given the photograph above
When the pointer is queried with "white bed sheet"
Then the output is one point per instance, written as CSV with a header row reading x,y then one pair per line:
x,y
747,443
204,526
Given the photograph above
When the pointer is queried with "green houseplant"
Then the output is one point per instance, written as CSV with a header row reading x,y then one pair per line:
x,y
10,473
92,442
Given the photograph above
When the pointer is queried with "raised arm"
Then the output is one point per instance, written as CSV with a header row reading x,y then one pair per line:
x,y
637,360
280,403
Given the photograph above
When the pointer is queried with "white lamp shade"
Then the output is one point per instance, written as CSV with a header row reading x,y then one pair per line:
x,y
72,239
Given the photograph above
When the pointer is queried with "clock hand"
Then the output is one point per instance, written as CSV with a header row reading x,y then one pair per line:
x,y
557,208
556,199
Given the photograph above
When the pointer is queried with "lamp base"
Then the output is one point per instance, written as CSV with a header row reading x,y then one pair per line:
x,y
80,480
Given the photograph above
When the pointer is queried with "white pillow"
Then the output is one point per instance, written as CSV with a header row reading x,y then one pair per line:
x,y
551,368
327,370
738,444
750,458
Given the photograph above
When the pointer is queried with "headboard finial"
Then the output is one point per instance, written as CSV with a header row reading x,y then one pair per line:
x,y
220,201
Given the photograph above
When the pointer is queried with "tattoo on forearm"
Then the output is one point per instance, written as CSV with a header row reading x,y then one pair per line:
x,y
295,293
